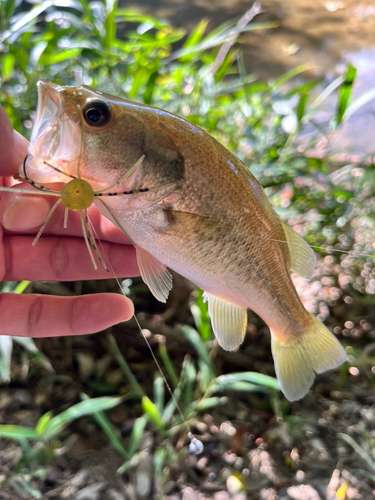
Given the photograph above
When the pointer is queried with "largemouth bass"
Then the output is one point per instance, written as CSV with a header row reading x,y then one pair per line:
x,y
189,204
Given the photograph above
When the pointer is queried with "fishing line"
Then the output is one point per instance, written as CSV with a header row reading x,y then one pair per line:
x,y
196,446
327,249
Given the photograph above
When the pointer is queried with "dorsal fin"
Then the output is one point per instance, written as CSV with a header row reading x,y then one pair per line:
x,y
302,257
228,321
154,274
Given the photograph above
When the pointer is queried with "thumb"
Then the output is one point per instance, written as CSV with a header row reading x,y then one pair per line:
x,y
20,212
13,146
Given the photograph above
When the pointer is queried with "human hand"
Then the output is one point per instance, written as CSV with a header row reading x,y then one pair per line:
x,y
60,255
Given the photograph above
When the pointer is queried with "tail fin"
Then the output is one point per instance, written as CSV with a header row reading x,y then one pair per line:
x,y
315,351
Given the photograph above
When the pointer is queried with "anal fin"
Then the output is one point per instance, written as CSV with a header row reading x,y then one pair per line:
x,y
154,274
228,321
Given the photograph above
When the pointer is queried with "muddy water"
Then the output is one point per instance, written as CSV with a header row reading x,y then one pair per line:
x,y
323,33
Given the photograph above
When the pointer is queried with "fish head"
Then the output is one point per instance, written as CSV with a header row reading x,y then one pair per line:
x,y
86,133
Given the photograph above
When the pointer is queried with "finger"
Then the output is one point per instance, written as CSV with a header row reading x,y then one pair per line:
x,y
13,147
64,259
26,213
49,316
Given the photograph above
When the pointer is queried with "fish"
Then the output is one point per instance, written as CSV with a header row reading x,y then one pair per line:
x,y
188,204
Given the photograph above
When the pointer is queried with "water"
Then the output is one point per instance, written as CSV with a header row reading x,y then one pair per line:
x,y
323,33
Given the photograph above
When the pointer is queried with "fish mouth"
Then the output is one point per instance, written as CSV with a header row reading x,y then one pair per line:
x,y
53,137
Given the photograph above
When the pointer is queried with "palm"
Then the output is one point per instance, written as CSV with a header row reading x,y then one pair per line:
x,y
61,254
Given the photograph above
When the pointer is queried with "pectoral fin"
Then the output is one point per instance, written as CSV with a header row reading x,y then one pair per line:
x,y
228,321
154,274
303,260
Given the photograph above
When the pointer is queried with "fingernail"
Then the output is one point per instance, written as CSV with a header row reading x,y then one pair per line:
x,y
25,212
21,145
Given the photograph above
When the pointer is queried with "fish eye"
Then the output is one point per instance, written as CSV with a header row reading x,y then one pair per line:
x,y
96,113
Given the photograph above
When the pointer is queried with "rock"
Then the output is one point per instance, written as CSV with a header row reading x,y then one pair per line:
x,y
221,495
115,495
303,492
191,494
144,475
91,492
280,435
317,455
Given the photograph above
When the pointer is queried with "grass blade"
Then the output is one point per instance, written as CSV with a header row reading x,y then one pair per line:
x,y
136,388
345,93
202,349
151,410
137,432
358,449
6,348
88,407
168,365
354,106
249,377
103,421
18,432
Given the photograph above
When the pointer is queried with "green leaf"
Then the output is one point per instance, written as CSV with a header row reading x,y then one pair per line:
x,y
355,105
43,422
215,38
137,432
6,348
239,386
110,24
207,403
358,449
62,55
159,392
302,106
171,405
151,410
199,310
147,96
251,377
88,407
201,347
130,464
137,389
7,68
345,92
289,75
134,16
8,7
21,287
190,382
18,432
111,432
168,364
26,19
326,92
28,487
193,39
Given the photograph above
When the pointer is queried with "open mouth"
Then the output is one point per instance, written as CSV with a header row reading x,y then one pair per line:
x,y
54,136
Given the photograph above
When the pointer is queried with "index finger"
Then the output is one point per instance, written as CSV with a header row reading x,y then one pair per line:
x,y
13,146
49,316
